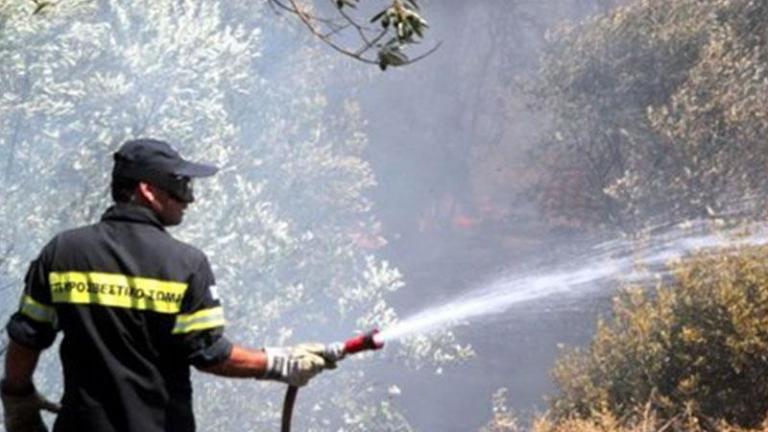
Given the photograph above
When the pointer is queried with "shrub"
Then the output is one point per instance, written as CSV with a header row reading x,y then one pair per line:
x,y
698,343
643,419
645,422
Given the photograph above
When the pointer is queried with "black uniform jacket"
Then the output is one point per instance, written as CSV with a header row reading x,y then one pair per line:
x,y
136,308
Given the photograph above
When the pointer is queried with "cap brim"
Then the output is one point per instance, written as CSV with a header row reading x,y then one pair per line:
x,y
192,169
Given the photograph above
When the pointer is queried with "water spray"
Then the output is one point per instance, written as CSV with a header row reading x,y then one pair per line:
x,y
333,352
601,266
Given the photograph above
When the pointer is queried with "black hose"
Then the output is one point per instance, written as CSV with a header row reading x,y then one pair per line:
x,y
290,399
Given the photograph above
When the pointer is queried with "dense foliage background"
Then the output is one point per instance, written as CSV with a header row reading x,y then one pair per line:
x,y
657,112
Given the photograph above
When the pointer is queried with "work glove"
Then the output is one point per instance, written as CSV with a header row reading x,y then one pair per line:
x,y
22,411
296,365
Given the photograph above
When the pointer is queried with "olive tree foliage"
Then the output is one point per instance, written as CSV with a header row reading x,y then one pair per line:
x,y
657,112
286,223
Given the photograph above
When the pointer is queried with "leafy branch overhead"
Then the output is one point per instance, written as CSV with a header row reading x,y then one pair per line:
x,y
382,39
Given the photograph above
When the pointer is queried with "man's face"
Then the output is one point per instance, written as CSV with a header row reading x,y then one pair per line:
x,y
173,209
168,209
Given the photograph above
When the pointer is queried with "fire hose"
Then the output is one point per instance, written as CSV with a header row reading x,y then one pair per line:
x,y
332,353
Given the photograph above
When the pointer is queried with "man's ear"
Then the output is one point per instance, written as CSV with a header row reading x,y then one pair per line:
x,y
146,192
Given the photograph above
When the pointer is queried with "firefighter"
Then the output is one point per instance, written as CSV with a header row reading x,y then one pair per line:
x,y
136,308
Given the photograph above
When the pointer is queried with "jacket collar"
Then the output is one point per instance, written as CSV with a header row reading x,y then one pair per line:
x,y
132,213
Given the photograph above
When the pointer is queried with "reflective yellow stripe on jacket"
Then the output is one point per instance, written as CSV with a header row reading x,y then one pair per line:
x,y
117,290
37,311
200,320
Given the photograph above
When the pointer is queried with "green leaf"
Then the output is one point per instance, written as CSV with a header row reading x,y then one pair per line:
x,y
41,6
417,30
391,56
416,24
341,3
414,4
379,15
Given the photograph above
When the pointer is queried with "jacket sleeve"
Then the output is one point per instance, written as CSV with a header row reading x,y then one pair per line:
x,y
199,327
34,325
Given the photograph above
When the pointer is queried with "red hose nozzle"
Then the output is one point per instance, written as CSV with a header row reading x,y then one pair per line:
x,y
364,342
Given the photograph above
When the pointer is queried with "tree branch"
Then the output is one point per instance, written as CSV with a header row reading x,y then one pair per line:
x,y
402,22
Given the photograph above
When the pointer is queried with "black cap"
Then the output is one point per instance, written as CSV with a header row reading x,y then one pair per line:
x,y
146,158
157,162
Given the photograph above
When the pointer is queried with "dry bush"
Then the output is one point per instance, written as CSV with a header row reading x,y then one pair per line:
x,y
645,420
649,422
696,348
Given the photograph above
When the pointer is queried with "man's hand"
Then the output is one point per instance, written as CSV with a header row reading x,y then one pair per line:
x,y
22,409
295,365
